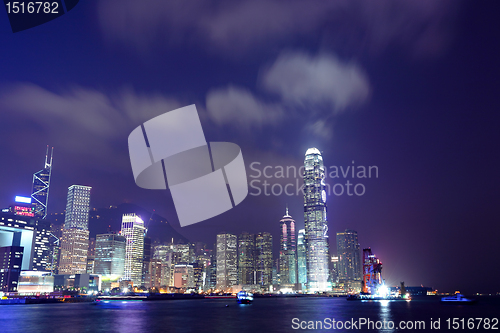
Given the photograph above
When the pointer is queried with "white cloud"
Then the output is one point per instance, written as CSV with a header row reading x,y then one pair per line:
x,y
321,85
238,106
305,80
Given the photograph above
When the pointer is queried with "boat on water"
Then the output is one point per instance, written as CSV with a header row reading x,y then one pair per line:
x,y
457,299
244,297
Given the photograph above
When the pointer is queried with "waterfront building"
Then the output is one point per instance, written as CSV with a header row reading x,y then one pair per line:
x,y
184,277
133,230
41,186
30,233
11,259
264,259
349,265
315,221
288,251
227,270
35,282
246,259
77,282
301,259
109,259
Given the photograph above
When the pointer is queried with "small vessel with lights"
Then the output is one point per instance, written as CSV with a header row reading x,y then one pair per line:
x,y
244,297
458,298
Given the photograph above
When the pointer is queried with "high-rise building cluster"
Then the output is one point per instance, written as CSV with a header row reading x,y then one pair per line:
x,y
127,259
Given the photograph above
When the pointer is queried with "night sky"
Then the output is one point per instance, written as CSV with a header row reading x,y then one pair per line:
x,y
410,87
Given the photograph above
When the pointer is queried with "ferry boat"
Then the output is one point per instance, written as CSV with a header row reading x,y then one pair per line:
x,y
457,299
244,297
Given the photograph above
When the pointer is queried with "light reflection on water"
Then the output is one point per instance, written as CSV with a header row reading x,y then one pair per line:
x,y
264,315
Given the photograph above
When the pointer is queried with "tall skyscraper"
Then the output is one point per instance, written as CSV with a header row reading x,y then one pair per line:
x,y
75,235
133,230
301,259
227,270
349,265
41,185
77,207
246,259
109,259
316,225
264,259
288,250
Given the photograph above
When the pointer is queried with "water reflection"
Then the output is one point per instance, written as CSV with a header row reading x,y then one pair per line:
x,y
386,317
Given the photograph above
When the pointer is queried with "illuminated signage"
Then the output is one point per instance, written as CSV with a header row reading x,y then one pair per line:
x,y
24,211
23,199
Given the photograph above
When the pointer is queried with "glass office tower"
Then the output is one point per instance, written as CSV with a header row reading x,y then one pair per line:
x,y
316,225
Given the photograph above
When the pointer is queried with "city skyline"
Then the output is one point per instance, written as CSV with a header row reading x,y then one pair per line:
x,y
409,87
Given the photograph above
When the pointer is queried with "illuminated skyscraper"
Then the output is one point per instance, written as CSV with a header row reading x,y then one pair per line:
x,y
227,270
301,259
133,230
75,235
77,207
109,258
74,249
288,250
264,259
41,185
349,265
316,225
246,259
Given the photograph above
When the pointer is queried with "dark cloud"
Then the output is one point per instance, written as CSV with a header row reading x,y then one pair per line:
x,y
86,123
236,27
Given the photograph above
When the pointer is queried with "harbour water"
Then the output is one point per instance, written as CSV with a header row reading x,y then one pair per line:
x,y
288,314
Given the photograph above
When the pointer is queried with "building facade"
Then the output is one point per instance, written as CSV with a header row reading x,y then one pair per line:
x,y
246,258
288,251
264,259
32,234
227,269
77,207
109,259
301,259
349,264
315,221
75,235
11,259
133,230
74,249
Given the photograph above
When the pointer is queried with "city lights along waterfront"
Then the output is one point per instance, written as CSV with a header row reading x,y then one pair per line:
x,y
123,280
